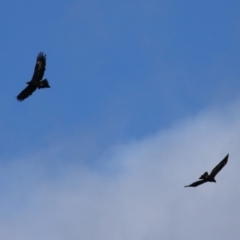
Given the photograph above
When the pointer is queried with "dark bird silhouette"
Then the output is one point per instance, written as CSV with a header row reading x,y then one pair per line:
x,y
36,81
210,178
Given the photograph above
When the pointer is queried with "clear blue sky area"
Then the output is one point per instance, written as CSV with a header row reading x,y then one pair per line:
x,y
121,69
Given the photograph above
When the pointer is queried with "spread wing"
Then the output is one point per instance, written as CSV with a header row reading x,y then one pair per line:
x,y
195,184
39,67
218,168
26,92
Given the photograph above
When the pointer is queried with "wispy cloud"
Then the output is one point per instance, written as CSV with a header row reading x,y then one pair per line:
x,y
143,198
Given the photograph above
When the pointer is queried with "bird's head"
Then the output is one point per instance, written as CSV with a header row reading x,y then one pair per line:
x,y
212,180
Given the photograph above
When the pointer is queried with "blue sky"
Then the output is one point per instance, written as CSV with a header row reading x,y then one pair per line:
x,y
123,74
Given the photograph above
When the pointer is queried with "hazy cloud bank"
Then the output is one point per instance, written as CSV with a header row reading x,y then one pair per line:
x,y
137,194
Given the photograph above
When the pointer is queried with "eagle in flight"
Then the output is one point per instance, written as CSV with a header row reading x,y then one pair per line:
x,y
36,81
210,177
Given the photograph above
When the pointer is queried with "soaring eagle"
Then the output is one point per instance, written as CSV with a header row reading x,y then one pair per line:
x,y
36,81
210,177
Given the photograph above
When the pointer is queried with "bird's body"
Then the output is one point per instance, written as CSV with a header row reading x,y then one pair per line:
x,y
36,81
210,177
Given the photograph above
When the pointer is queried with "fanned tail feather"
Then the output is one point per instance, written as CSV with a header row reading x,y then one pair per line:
x,y
44,84
204,176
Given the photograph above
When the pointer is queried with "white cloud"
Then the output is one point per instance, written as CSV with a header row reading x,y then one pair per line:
x,y
144,199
